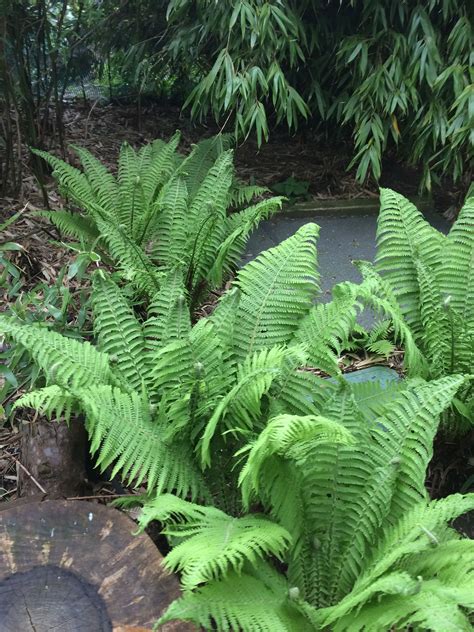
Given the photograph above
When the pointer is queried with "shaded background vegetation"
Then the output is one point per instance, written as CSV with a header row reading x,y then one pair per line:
x,y
393,76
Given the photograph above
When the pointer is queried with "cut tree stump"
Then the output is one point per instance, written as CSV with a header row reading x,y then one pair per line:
x,y
55,455
73,566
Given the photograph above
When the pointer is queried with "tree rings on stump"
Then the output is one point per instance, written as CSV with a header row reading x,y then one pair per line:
x,y
73,566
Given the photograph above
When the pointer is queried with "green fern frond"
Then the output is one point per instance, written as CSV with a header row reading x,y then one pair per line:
x,y
241,194
436,326
325,329
456,277
372,397
254,378
238,227
64,361
168,312
279,437
301,392
223,316
118,332
393,469
132,262
212,543
206,217
277,290
402,235
435,572
72,224
102,182
73,181
168,226
52,401
377,293
195,167
160,168
419,531
241,602
124,433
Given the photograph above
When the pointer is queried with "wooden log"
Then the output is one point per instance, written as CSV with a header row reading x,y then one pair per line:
x,y
73,566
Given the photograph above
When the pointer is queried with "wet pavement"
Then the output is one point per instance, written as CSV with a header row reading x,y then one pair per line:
x,y
342,239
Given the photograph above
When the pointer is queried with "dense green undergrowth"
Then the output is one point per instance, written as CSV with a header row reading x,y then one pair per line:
x,y
290,501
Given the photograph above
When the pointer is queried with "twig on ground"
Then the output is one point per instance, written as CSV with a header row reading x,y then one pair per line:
x,y
28,473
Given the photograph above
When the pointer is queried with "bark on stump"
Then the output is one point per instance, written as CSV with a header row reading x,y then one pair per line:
x,y
72,566
55,454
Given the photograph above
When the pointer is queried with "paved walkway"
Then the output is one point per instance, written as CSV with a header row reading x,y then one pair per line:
x,y
341,240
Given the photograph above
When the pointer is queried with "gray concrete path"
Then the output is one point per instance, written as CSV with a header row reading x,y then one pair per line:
x,y
342,239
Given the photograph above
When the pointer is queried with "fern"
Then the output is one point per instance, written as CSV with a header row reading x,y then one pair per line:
x,y
64,361
213,543
431,276
135,446
162,211
118,332
277,290
223,417
368,550
402,235
241,602
52,401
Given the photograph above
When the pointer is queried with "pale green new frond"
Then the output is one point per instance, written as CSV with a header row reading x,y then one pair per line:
x,y
326,328
72,181
52,401
418,531
72,224
102,182
118,332
212,543
124,433
402,234
456,276
168,312
254,378
241,602
64,361
279,437
277,290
